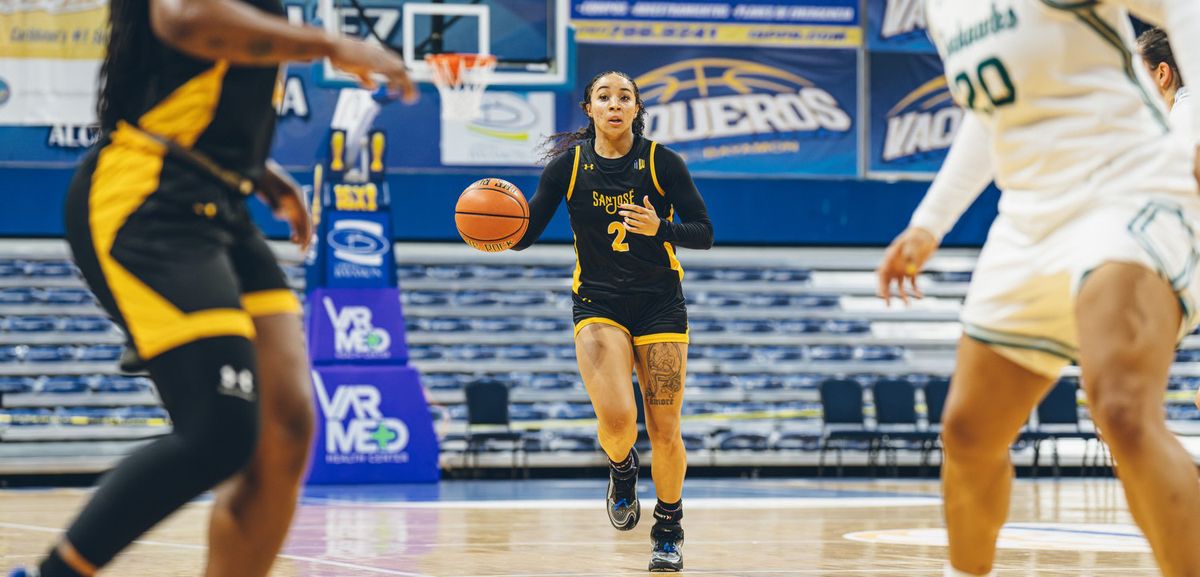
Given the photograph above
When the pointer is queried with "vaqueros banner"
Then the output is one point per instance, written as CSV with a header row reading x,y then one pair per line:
x,y
913,118
50,54
729,111
789,11
897,26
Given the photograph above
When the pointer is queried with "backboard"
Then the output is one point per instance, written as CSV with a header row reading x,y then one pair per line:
x,y
527,37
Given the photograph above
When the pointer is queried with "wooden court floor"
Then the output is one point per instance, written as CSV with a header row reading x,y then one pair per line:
x,y
542,528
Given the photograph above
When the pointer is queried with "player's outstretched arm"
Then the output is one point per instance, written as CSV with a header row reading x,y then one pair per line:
x,y
963,177
235,31
242,34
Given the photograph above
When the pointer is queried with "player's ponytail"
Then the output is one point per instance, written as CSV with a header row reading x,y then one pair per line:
x,y
1156,49
124,67
560,142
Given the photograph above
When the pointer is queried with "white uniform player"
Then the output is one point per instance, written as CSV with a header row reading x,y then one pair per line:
x,y
1155,49
1063,118
1065,121
1181,113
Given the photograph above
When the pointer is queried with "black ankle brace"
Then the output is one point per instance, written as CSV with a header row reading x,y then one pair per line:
x,y
668,512
629,464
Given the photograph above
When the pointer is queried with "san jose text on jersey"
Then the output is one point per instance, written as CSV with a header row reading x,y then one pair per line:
x,y
611,260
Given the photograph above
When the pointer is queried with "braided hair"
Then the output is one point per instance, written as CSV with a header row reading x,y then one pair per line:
x,y
1156,49
123,73
561,142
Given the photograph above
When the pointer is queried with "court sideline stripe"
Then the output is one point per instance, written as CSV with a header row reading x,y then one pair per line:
x,y
314,560
382,571
731,572
693,504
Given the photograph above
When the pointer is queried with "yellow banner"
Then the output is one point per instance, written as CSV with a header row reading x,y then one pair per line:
x,y
55,29
722,34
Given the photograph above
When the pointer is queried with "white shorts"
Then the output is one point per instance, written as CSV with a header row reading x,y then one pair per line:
x,y
1022,295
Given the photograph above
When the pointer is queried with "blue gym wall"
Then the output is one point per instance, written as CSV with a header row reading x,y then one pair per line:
x,y
791,207
744,211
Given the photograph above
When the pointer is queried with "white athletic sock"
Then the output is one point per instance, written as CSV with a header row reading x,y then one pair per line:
x,y
952,572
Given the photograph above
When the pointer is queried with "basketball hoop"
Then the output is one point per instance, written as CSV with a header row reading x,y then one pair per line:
x,y
461,79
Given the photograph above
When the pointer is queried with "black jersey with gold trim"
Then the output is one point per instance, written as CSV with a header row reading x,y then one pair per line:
x,y
610,260
223,111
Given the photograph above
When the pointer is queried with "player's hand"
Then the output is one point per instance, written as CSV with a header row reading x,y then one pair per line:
x,y
640,219
902,262
368,61
283,195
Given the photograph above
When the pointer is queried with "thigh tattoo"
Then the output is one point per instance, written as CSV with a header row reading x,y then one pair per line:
x,y
664,365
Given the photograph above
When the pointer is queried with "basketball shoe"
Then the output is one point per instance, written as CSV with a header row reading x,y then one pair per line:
x,y
624,510
666,556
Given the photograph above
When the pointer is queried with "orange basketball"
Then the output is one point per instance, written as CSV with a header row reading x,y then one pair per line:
x,y
491,215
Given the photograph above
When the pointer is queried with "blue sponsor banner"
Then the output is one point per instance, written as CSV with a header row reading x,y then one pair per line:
x,y
59,145
355,249
840,12
356,326
794,23
373,426
913,119
727,111
897,26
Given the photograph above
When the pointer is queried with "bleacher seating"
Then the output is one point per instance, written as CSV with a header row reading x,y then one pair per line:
x,y
15,384
768,328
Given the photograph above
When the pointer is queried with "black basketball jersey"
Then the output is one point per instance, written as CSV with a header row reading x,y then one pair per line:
x,y
610,260
224,111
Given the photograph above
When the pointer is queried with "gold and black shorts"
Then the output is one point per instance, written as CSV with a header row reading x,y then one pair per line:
x,y
172,255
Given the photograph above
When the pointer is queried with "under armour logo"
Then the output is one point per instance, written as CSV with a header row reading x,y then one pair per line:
x,y
237,383
589,166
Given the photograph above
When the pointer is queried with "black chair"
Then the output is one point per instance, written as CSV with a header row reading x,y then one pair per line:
x,y
488,421
936,391
1058,418
896,417
843,421
743,441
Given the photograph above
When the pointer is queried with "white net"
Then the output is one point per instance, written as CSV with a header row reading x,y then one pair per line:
x,y
461,80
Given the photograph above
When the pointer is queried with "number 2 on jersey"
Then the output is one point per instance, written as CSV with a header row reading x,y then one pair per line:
x,y
619,244
993,80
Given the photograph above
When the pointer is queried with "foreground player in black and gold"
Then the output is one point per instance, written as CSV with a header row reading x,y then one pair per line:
x,y
622,192
157,222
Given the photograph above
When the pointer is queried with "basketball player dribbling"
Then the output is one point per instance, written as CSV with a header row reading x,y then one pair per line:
x,y
622,192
